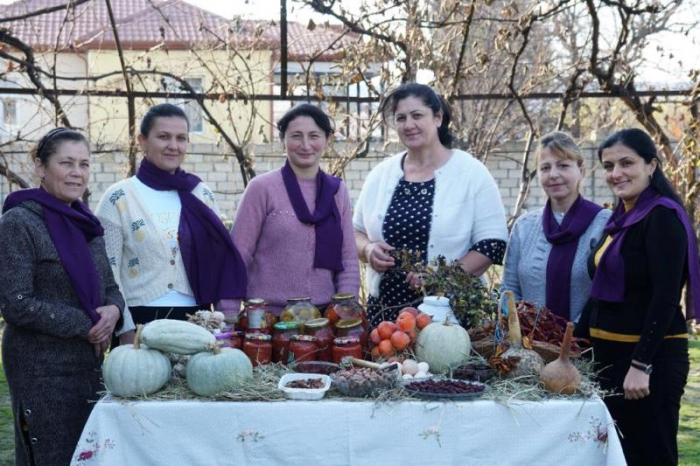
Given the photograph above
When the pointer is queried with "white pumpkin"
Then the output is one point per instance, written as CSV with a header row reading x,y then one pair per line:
x,y
132,370
177,336
443,346
218,371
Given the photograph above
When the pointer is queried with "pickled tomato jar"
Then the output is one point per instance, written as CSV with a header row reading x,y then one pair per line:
x,y
352,328
302,348
345,306
281,337
258,348
346,347
321,329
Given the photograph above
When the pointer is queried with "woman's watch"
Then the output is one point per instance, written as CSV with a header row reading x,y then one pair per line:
x,y
646,368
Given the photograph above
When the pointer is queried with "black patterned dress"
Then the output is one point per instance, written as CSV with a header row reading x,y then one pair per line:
x,y
406,226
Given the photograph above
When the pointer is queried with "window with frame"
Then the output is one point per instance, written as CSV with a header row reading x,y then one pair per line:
x,y
191,107
9,110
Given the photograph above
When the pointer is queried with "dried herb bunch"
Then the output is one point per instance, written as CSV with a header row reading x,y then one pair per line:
x,y
470,300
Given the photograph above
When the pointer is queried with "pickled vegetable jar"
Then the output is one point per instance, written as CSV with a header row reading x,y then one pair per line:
x,y
281,336
258,348
346,347
300,310
256,318
352,328
302,348
321,329
345,306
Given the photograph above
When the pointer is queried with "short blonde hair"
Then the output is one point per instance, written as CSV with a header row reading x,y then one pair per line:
x,y
562,145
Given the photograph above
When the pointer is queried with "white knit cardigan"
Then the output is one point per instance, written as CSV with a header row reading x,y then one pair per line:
x,y
467,208
141,260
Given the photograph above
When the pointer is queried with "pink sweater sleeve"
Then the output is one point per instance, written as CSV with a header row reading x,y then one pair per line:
x,y
347,281
250,218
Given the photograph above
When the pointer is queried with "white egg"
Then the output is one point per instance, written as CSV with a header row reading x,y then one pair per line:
x,y
410,367
406,376
423,367
420,375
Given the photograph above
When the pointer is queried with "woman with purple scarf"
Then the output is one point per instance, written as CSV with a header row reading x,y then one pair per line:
x,y
59,301
170,252
636,322
548,248
293,226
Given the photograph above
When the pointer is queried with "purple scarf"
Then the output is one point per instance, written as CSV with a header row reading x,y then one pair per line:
x,y
70,228
326,218
564,240
215,269
609,279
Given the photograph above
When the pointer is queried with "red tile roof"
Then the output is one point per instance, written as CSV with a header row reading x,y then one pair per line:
x,y
142,24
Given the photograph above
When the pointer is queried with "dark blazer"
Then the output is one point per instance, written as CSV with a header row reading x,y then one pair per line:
x,y
654,252
51,368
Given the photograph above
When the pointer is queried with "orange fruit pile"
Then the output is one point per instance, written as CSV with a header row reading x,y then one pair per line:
x,y
390,337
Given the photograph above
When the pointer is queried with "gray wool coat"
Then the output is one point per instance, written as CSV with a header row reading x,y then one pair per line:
x,y
52,371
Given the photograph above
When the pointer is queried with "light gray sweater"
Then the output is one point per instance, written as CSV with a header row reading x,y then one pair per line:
x,y
525,269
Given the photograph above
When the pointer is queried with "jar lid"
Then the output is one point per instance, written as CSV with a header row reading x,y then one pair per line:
x,y
317,323
304,338
294,300
287,325
257,337
348,323
256,302
347,341
342,296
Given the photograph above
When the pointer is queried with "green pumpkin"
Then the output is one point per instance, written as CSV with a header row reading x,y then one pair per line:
x,y
132,370
177,336
443,346
219,371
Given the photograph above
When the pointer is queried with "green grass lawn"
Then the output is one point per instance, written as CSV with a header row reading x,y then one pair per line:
x,y
688,434
689,430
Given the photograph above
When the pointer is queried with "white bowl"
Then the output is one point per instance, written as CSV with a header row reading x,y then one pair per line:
x,y
305,394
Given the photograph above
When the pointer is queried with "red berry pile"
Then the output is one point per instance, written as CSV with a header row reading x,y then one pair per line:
x,y
448,387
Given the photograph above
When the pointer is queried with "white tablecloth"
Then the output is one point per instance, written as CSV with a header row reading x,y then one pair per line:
x,y
331,432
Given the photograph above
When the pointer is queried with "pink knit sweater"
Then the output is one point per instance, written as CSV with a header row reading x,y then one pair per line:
x,y
279,250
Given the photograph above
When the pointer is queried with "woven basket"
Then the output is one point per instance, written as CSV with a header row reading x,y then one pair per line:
x,y
548,351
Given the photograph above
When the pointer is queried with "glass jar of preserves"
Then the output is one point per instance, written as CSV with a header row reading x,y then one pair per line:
x,y
281,336
352,328
321,329
237,339
256,318
346,347
258,348
302,348
345,306
300,310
